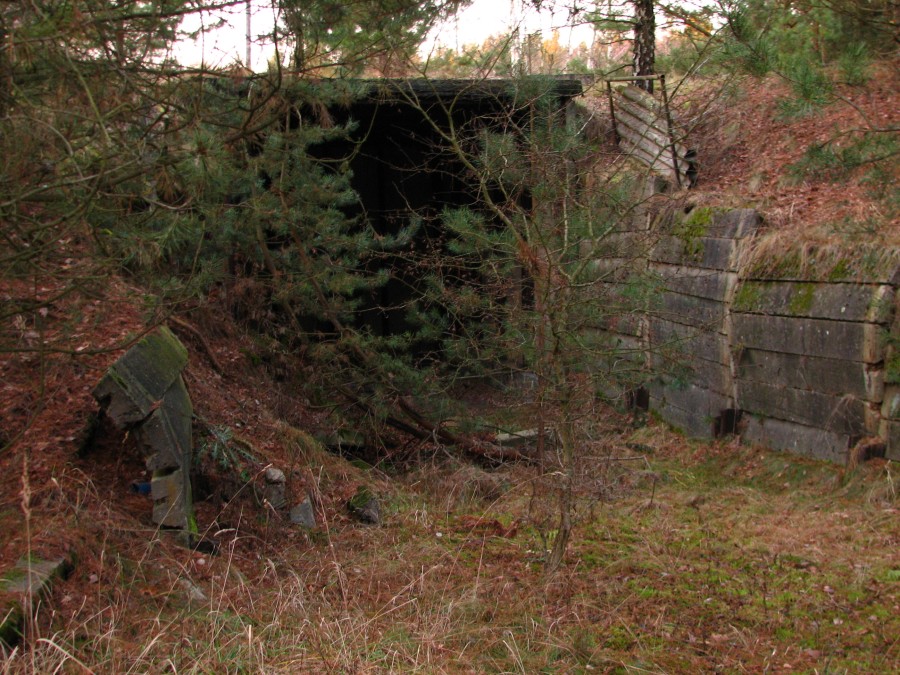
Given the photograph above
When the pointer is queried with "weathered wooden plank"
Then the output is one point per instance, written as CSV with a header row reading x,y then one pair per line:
x,y
706,252
840,414
813,337
838,301
829,376
657,157
638,120
641,97
796,438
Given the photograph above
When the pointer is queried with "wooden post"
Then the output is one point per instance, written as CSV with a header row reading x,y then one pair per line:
x,y
612,110
671,129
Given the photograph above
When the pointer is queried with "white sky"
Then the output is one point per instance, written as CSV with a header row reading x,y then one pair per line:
x,y
473,25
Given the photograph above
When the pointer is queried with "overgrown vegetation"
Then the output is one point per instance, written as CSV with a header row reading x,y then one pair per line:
x,y
232,193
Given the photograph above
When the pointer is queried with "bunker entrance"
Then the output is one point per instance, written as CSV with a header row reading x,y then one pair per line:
x,y
405,172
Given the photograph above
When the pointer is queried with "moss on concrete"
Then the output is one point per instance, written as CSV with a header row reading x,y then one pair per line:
x,y
748,297
802,299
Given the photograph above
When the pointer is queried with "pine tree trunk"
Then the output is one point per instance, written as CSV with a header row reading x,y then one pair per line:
x,y
644,42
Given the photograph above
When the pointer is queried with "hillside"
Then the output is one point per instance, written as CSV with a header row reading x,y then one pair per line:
x,y
686,556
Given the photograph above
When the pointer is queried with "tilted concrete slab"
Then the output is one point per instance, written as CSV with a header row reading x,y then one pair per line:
x,y
144,392
135,383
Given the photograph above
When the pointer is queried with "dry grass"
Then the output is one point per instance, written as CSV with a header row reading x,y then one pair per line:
x,y
726,559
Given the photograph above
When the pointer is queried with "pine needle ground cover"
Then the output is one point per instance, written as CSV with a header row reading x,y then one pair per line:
x,y
704,558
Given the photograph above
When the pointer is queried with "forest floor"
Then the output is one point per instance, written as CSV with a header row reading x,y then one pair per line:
x,y
686,556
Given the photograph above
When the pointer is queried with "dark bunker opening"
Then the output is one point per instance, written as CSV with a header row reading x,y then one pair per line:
x,y
404,168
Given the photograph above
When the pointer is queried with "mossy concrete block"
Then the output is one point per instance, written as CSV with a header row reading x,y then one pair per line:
x,y
144,390
706,238
29,578
735,223
837,301
685,421
829,376
839,414
814,337
710,221
796,438
706,252
137,381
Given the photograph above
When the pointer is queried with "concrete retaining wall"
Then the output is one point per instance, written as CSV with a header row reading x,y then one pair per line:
x,y
812,367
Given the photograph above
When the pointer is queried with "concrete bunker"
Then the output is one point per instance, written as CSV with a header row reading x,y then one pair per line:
x,y
403,167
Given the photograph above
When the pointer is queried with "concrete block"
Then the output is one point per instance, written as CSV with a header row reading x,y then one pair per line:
x,y
711,375
813,337
889,431
692,311
676,341
735,223
702,283
168,491
629,324
29,578
165,437
705,404
844,415
139,379
687,421
829,376
705,252
840,302
623,244
796,438
890,407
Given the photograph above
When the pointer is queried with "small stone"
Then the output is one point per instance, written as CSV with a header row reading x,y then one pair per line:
x,y
274,494
93,579
194,593
365,507
274,475
303,514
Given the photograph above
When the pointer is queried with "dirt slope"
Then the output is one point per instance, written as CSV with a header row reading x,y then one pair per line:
x,y
709,558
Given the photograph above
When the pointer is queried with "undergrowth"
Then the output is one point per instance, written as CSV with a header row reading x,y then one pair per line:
x,y
703,558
